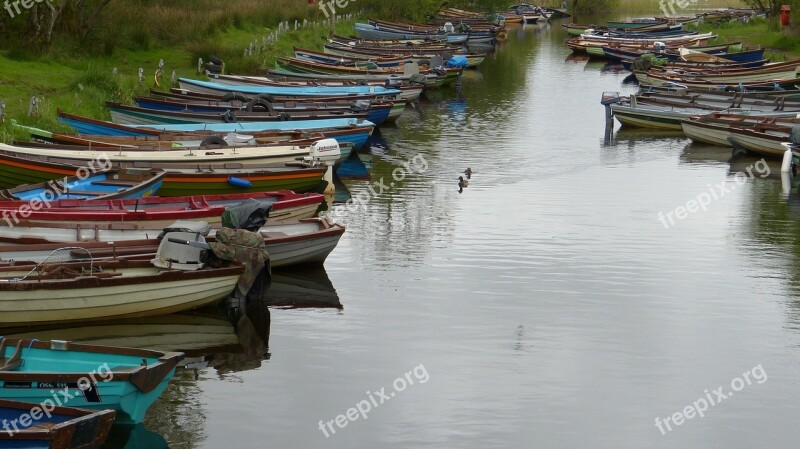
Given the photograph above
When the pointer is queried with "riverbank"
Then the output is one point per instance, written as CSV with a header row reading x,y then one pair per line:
x,y
82,85
781,45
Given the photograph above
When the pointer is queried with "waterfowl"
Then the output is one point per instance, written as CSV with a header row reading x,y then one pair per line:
x,y
468,172
462,183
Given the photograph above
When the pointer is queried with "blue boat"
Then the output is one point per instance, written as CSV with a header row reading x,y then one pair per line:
x,y
745,56
356,131
377,113
60,428
310,91
371,32
114,184
89,377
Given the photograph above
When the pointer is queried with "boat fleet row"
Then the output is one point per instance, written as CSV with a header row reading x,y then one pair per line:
x,y
717,94
184,198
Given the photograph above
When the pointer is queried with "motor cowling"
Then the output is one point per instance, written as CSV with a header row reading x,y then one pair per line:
x,y
325,150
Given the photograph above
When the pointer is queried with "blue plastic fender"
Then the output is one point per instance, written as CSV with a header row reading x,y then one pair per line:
x,y
239,182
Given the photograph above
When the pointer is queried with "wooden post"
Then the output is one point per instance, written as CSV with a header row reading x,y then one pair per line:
x,y
2,111
33,106
199,65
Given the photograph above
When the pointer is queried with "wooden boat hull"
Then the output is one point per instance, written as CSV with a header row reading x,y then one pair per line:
x,y
133,115
105,185
127,386
203,179
156,292
643,117
367,31
706,133
669,118
60,428
308,241
303,66
331,91
651,79
348,130
758,143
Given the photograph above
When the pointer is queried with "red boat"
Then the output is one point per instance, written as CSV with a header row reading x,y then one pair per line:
x,y
286,205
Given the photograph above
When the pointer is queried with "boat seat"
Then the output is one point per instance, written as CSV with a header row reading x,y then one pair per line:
x,y
15,361
178,256
82,192
274,235
116,183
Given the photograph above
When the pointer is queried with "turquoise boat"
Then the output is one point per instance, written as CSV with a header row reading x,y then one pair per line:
x,y
60,373
310,91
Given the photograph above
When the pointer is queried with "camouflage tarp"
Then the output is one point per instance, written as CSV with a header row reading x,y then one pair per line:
x,y
248,248
250,215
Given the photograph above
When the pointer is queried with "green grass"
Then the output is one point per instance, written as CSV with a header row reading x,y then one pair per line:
x,y
781,45
82,85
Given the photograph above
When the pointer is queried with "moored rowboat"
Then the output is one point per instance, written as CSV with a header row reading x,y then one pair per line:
x,y
59,428
121,379
306,241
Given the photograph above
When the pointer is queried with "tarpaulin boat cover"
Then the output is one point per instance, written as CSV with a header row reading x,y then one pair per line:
x,y
458,61
245,247
794,136
251,215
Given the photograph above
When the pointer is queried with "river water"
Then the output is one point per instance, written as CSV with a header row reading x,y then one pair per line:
x,y
545,306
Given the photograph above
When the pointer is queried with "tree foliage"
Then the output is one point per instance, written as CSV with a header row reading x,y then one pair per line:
x,y
591,6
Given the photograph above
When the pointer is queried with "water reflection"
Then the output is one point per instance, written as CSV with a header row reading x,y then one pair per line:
x,y
303,287
193,333
135,437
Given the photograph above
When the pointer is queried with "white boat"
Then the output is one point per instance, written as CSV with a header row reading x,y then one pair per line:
x,y
305,241
181,156
85,291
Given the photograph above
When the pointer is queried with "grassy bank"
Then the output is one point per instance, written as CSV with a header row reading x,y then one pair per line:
x,y
642,7
780,44
82,84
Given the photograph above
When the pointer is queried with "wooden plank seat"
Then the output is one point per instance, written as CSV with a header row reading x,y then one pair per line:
x,y
116,183
13,362
82,192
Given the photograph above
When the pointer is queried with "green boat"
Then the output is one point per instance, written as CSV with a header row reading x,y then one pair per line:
x,y
193,179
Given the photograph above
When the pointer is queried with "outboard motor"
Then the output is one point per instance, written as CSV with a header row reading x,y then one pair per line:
x,y
449,28
660,47
361,105
393,82
325,150
183,246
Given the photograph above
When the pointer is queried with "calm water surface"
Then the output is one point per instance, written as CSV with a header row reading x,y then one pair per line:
x,y
547,305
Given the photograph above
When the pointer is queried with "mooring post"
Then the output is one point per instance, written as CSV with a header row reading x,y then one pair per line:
x,y
33,106
141,75
199,65
2,111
